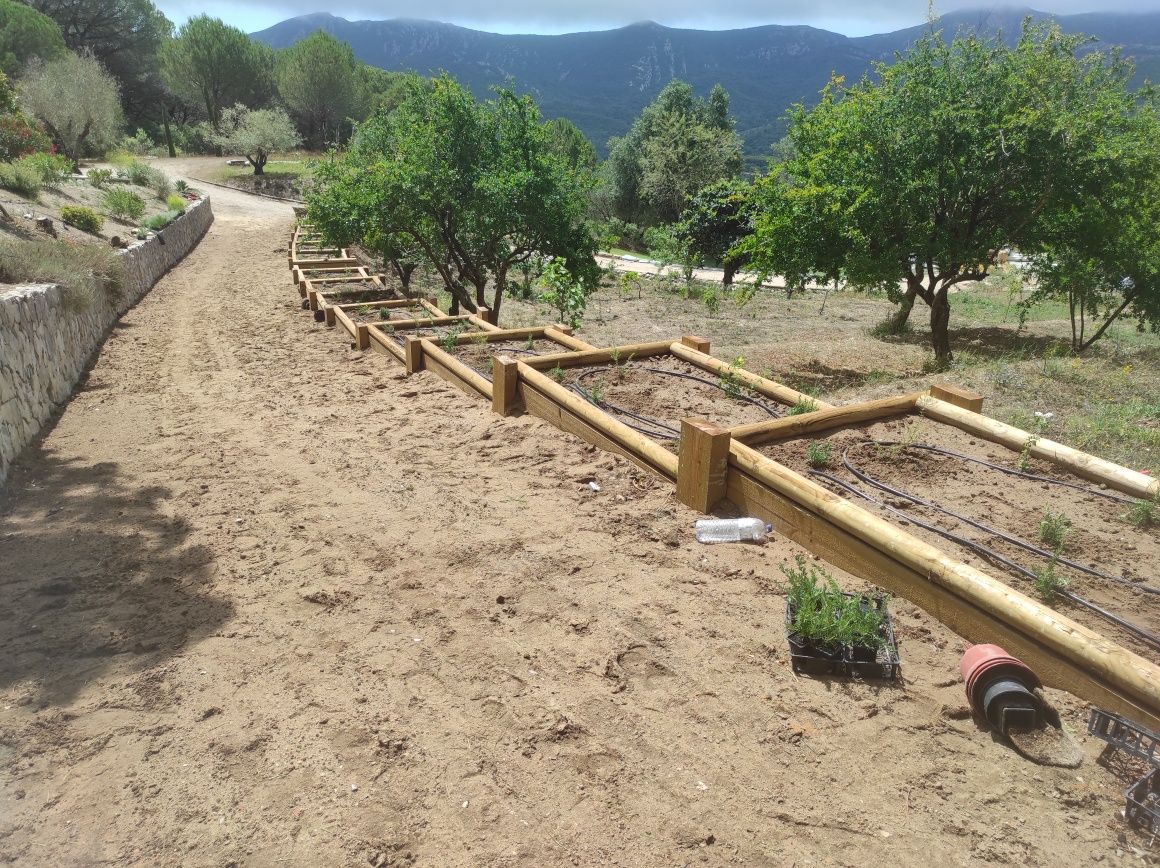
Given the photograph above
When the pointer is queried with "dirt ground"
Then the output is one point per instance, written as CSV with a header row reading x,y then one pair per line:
x,y
267,601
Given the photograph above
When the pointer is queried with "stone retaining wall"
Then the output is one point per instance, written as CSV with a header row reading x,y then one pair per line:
x,y
46,343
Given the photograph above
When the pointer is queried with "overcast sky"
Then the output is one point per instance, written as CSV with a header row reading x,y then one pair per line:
x,y
851,17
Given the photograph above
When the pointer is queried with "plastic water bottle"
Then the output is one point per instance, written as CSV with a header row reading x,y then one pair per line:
x,y
719,530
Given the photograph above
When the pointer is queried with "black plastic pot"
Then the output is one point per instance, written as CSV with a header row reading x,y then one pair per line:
x,y
1142,802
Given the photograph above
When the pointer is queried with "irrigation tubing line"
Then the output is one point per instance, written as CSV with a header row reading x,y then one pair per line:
x,y
1008,470
991,554
649,426
1003,535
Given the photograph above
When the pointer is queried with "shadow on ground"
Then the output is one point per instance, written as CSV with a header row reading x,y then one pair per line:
x,y
94,577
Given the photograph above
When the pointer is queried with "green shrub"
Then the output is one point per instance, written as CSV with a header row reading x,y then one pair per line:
x,y
139,143
21,180
85,219
53,169
803,405
160,221
162,186
175,203
124,204
99,177
819,454
82,269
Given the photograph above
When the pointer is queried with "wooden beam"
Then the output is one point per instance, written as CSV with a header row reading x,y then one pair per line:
x,y
483,323
430,305
454,371
314,264
413,354
703,464
958,396
546,398
340,316
505,381
563,336
1126,673
383,343
388,303
769,388
789,427
420,322
1080,463
693,342
520,334
599,357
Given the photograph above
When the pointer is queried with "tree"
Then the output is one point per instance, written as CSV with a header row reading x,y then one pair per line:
x,y
214,65
570,143
682,155
380,89
124,35
912,180
474,189
256,133
319,80
685,128
77,100
26,34
19,134
1105,261
717,218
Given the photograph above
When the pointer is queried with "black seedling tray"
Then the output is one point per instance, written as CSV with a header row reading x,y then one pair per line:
x,y
1131,738
1142,800
847,660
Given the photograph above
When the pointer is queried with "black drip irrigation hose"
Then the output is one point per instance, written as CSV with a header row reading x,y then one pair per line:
x,y
986,528
994,556
1051,480
648,426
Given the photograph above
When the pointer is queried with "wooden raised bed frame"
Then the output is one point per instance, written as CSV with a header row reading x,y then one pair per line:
x,y
716,464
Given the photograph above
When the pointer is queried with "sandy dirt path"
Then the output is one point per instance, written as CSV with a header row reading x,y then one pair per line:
x,y
267,601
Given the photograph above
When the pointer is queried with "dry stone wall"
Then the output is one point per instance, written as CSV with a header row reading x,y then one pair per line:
x,y
47,340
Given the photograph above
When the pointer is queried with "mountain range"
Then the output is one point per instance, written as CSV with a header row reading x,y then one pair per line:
x,y
601,80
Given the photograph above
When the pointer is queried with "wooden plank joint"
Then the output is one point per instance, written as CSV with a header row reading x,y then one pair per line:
x,y
702,464
958,396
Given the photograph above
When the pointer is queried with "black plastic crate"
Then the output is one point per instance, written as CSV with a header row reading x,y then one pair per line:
x,y
1122,734
1142,802
848,661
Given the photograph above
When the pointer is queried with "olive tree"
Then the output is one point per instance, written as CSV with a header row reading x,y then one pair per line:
x,y
256,133
76,100
913,179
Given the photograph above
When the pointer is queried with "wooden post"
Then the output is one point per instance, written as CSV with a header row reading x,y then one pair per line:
x,y
362,336
958,396
484,313
699,344
505,380
330,315
414,354
703,464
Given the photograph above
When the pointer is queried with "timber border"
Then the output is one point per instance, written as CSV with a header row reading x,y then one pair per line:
x,y
715,464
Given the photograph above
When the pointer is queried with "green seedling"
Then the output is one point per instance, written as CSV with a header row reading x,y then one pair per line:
x,y
480,340
384,313
597,393
802,405
1025,454
730,383
449,340
1054,528
819,454
823,615
530,344
557,374
1144,513
1049,583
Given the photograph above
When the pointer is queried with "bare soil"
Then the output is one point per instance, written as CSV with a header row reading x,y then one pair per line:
x,y
268,601
654,394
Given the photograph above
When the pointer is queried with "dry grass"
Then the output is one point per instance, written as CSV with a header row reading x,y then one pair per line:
x,y
82,269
